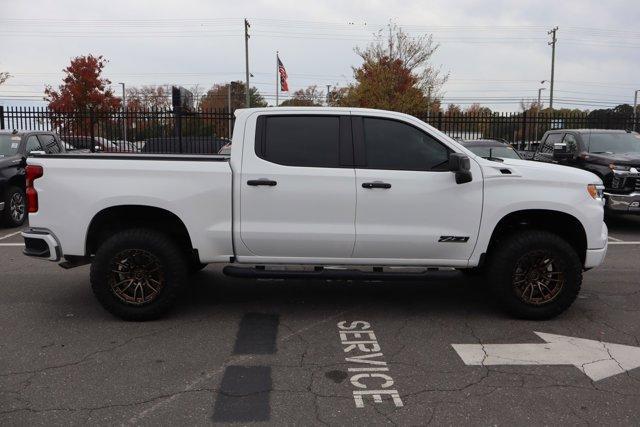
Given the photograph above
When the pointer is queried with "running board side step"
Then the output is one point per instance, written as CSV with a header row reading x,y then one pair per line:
x,y
322,273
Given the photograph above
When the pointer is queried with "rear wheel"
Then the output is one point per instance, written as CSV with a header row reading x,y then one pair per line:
x,y
138,274
15,207
535,274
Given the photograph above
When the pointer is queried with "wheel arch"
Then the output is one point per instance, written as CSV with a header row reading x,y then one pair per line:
x,y
560,223
113,219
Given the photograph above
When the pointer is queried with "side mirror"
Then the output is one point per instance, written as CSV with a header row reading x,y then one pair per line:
x,y
560,152
461,166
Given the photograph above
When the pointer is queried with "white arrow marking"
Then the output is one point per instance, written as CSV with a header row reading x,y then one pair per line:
x,y
596,359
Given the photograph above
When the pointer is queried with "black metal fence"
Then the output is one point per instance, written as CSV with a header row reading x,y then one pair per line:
x,y
152,131
205,132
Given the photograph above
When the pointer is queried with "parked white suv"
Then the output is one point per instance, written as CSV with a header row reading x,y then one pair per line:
x,y
318,187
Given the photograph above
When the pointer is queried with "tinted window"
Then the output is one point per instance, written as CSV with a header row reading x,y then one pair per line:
x,y
302,140
394,145
49,144
553,138
572,144
33,144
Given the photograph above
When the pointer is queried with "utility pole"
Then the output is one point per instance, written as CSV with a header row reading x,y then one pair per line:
x,y
124,110
246,62
229,107
552,43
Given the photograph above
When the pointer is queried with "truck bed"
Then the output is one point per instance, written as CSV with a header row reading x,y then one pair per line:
x,y
76,187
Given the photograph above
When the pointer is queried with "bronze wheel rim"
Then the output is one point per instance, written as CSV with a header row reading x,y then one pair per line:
x,y
537,278
136,277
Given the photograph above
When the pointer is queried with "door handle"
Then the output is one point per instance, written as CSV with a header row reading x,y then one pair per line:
x,y
262,181
376,184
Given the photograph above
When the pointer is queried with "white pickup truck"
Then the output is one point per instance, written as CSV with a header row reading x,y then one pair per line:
x,y
325,193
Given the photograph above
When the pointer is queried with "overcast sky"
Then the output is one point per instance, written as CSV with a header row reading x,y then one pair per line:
x,y
495,51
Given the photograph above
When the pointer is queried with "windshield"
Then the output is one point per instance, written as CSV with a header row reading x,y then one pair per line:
x,y
9,145
614,143
499,152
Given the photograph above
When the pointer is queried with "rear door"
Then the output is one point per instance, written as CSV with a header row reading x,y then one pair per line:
x,y
409,207
297,187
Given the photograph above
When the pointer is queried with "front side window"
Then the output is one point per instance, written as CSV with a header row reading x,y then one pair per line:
x,y
310,141
572,144
393,145
33,144
552,139
49,144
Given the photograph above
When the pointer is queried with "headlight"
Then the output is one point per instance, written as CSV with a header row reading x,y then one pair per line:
x,y
615,167
596,191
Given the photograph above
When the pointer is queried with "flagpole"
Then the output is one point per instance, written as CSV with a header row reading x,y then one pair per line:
x,y
277,77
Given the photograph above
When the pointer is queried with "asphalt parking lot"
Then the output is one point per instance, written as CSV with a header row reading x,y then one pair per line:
x,y
288,352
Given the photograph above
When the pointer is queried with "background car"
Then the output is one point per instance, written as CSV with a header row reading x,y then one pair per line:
x,y
491,149
15,146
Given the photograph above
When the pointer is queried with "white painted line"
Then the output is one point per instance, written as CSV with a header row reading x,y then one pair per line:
x,y
624,243
597,359
614,239
10,235
11,244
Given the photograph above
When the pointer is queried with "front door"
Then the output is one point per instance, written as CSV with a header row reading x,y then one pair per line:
x,y
298,188
409,207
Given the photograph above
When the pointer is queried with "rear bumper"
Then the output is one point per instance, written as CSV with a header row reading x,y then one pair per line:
x,y
623,203
41,243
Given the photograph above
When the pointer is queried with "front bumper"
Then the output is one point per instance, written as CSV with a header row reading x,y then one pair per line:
x,y
623,203
41,243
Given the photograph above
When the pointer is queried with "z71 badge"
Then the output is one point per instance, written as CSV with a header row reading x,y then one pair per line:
x,y
454,239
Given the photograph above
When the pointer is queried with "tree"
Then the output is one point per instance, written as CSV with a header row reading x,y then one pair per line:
x,y
309,97
4,76
83,87
218,97
396,74
148,98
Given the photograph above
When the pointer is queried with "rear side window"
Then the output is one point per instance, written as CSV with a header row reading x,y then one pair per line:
x,y
553,138
394,145
312,141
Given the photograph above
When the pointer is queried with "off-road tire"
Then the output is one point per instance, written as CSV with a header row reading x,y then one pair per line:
x,y
501,271
172,265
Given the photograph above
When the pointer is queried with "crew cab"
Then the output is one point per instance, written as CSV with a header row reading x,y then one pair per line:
x,y
318,193
15,146
613,155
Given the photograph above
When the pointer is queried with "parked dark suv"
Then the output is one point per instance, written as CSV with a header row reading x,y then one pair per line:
x,y
14,148
613,155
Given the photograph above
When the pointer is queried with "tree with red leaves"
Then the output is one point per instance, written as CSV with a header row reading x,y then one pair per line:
x,y
83,88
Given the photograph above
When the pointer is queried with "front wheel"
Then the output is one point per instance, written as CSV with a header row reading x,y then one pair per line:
x,y
138,274
535,274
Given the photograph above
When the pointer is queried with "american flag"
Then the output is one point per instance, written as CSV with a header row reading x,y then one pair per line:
x,y
284,86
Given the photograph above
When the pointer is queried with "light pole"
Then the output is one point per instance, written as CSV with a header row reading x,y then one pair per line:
x,y
124,110
535,126
539,96
635,110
